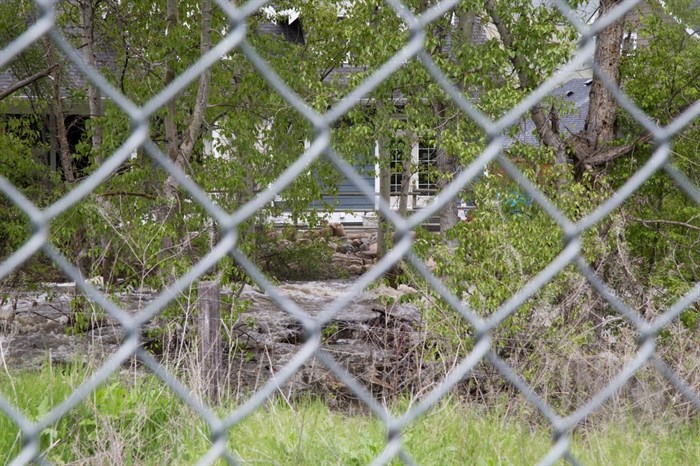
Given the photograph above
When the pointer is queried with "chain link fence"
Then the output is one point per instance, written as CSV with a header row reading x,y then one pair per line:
x,y
322,123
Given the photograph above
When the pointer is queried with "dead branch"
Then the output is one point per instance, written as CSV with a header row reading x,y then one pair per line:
x,y
26,82
645,222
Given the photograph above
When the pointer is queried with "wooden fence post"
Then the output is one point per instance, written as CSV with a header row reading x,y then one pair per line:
x,y
210,338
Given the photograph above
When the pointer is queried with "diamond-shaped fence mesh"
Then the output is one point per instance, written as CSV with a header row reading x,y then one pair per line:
x,y
228,224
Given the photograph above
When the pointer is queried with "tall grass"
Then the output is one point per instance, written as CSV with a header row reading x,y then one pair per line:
x,y
134,419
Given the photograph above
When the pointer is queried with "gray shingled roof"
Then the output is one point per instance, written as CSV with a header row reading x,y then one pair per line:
x,y
105,59
574,91
6,80
293,32
572,116
75,80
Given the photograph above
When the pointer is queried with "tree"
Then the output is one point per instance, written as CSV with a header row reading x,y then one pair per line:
x,y
259,134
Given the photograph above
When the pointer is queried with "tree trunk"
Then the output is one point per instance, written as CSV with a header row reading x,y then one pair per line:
x,y
385,194
61,132
171,132
446,165
599,128
87,14
178,151
405,181
591,145
602,110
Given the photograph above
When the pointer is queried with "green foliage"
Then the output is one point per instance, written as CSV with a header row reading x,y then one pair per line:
x,y
136,420
140,410
19,145
304,259
136,234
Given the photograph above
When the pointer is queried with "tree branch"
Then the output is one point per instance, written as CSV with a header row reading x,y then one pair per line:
x,y
666,222
545,132
202,100
609,154
26,82
126,193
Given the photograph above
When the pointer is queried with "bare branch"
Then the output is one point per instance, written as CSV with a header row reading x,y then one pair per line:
x,y
666,222
26,82
547,135
603,156
126,193
195,127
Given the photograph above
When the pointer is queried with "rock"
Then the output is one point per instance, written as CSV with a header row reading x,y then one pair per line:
x,y
7,315
356,243
338,229
345,248
367,255
357,235
355,269
97,281
345,260
382,292
364,247
373,248
406,290
326,232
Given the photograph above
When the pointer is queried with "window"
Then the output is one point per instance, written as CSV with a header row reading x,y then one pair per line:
x,y
427,171
399,152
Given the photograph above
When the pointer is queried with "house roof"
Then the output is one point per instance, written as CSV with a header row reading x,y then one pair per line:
x,y
292,31
75,80
7,79
572,97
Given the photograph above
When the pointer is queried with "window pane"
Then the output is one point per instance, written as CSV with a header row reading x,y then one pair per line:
x,y
427,174
397,150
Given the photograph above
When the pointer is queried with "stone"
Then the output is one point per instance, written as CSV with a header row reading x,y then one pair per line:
x,y
345,248
355,269
7,314
345,260
338,229
406,290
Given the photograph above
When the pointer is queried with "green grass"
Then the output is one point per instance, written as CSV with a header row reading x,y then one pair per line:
x,y
136,420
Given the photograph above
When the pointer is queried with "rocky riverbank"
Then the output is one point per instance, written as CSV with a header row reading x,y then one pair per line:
x,y
375,338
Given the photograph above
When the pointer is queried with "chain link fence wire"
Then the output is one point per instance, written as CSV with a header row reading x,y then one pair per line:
x,y
312,326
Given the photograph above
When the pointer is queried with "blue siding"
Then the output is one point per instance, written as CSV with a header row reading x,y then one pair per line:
x,y
349,196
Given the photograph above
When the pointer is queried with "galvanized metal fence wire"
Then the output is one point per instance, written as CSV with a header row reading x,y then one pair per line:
x,y
229,222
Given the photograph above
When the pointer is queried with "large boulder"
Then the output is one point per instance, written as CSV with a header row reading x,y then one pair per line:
x,y
370,252
338,229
